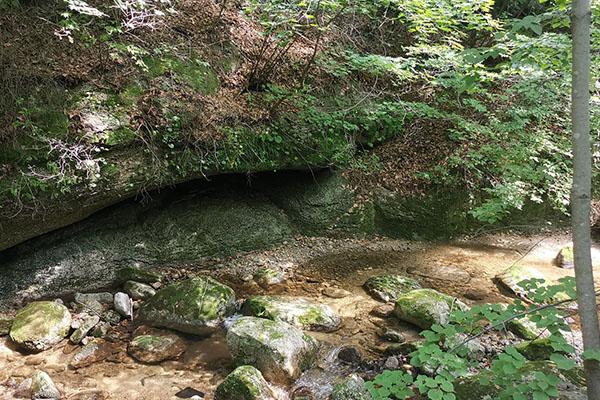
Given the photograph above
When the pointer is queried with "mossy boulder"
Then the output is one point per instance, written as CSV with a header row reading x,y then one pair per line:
x,y
565,258
245,383
389,287
516,274
351,388
536,350
40,325
425,307
156,346
197,306
296,311
279,350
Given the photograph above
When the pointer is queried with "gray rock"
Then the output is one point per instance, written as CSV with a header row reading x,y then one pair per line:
x,y
391,363
40,325
296,311
472,349
266,277
94,351
279,350
392,336
156,346
245,383
112,317
425,307
100,330
197,306
94,303
139,291
86,323
123,305
42,387
351,388
389,287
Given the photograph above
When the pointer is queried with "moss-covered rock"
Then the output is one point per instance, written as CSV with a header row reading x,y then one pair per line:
x,y
197,305
351,388
156,347
425,307
40,325
516,274
536,350
389,287
279,350
266,277
565,258
296,311
245,383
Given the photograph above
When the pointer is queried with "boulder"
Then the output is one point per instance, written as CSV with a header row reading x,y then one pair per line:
x,y
245,383
138,291
351,388
389,287
156,347
279,350
95,303
565,258
537,349
197,306
40,325
42,387
296,311
94,351
123,305
425,307
513,276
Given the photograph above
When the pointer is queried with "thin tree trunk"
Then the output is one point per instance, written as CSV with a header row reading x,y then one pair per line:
x,y
581,193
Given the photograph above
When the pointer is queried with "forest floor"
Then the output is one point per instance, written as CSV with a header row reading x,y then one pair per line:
x,y
464,268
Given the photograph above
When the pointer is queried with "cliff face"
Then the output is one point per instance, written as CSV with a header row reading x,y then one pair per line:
x,y
113,114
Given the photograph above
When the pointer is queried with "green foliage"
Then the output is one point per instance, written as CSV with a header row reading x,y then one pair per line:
x,y
440,366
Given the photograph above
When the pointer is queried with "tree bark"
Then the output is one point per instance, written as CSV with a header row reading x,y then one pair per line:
x,y
581,192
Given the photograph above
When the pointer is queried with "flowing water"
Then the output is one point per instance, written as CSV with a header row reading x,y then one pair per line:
x,y
464,269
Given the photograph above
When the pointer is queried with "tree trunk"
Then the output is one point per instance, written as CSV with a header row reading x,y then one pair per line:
x,y
581,192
